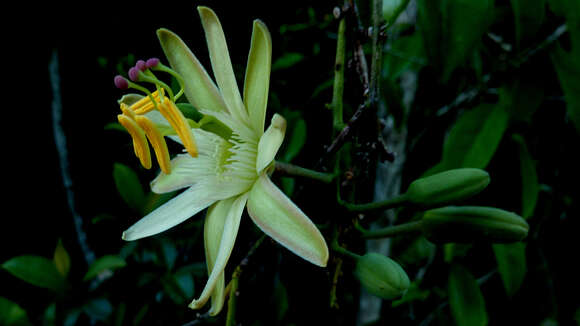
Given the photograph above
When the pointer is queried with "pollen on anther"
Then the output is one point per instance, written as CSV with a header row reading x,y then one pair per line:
x,y
121,82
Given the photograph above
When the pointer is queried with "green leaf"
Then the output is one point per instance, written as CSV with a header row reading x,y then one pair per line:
x,y
464,23
98,309
524,94
529,16
530,185
414,293
11,314
511,264
392,9
429,21
36,270
189,111
474,138
568,69
129,187
465,298
102,264
455,250
567,64
403,54
280,300
296,140
179,288
287,60
61,259
49,316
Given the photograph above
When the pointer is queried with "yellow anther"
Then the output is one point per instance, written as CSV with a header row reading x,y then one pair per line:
x,y
145,105
140,144
127,111
156,139
178,122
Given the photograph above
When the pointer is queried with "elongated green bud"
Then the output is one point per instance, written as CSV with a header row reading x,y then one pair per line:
x,y
381,276
447,186
472,223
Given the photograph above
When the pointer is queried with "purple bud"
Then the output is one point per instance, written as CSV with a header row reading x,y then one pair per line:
x,y
153,62
134,74
121,82
141,65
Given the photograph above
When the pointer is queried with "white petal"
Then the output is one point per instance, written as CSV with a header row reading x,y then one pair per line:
x,y
187,170
200,90
282,220
270,142
228,237
215,220
257,80
172,213
221,63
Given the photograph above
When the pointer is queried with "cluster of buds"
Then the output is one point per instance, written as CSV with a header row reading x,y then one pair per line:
x,y
139,113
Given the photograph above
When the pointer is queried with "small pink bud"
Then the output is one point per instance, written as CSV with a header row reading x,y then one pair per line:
x,y
153,62
121,82
141,65
134,74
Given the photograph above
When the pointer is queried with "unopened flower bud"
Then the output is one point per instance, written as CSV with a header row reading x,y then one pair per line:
x,y
472,223
447,186
381,276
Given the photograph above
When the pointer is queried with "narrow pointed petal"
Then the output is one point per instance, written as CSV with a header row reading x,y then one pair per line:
x,y
175,211
180,176
270,142
213,228
199,89
228,232
282,220
221,63
257,80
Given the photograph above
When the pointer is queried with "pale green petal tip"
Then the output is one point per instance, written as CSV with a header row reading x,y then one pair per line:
x,y
270,142
283,221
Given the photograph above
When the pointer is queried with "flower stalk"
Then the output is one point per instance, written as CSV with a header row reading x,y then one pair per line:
x,y
294,170
414,227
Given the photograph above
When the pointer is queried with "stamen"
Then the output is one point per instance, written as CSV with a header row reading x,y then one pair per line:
x,y
157,141
140,144
145,104
127,111
180,125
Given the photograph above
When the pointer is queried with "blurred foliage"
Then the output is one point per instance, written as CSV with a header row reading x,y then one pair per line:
x,y
482,84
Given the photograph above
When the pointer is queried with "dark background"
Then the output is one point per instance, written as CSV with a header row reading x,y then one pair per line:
x,y
90,39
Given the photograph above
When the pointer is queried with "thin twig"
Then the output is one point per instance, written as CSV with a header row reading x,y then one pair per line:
x,y
61,147
234,283
527,54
